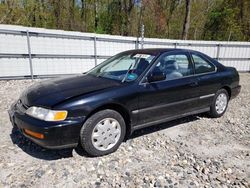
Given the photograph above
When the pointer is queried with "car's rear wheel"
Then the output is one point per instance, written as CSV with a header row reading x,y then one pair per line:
x,y
220,103
102,133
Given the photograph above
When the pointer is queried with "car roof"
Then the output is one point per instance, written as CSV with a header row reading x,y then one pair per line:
x,y
156,51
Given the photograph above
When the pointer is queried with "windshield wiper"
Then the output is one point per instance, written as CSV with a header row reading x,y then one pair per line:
x,y
129,69
125,77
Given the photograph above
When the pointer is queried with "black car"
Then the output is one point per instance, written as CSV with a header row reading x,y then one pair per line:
x,y
129,91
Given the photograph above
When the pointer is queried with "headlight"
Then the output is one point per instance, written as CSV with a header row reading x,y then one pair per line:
x,y
46,114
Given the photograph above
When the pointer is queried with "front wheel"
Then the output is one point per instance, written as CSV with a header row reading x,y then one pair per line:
x,y
102,133
220,103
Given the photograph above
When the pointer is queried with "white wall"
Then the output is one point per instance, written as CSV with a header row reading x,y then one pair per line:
x,y
42,45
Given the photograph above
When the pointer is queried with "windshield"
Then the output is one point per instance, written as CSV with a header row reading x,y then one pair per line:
x,y
124,67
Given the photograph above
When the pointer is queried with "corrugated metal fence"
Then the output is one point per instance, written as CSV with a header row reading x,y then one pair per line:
x,y
36,52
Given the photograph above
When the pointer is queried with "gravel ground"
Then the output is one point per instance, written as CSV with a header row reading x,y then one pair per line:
x,y
190,152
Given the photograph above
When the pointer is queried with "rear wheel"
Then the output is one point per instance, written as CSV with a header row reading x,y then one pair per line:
x,y
102,133
220,103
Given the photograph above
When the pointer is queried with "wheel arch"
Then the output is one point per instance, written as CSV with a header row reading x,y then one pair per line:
x,y
228,89
120,109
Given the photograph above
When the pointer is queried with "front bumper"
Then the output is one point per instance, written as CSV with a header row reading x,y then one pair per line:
x,y
57,135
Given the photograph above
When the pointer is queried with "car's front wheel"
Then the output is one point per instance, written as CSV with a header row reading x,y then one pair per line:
x,y
220,103
102,133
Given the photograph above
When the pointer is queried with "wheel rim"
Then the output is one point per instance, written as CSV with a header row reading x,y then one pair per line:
x,y
106,134
221,103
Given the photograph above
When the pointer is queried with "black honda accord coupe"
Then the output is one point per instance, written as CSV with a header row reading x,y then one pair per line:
x,y
129,91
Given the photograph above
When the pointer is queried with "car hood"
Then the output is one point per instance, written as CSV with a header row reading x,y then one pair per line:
x,y
51,92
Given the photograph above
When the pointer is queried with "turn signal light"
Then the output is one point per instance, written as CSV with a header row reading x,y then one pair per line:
x,y
60,115
34,134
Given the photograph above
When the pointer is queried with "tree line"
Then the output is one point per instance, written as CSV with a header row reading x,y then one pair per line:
x,y
172,19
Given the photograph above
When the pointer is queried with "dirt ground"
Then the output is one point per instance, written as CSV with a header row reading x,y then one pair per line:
x,y
195,151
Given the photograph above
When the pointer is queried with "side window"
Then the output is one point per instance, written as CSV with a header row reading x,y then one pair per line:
x,y
174,66
201,65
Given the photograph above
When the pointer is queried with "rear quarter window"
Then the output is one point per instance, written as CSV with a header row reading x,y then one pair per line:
x,y
202,65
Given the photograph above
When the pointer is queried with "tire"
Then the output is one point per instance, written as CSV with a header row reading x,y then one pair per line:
x,y
107,124
215,109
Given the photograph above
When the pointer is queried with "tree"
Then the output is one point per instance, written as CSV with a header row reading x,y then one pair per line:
x,y
211,19
223,21
71,17
128,7
186,24
83,15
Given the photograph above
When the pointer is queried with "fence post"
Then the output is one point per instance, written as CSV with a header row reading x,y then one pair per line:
x,y
29,51
95,51
142,36
175,45
136,43
218,52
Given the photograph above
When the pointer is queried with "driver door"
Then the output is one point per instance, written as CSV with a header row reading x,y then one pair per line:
x,y
175,95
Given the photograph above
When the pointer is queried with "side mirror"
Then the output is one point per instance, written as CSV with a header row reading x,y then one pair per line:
x,y
156,76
